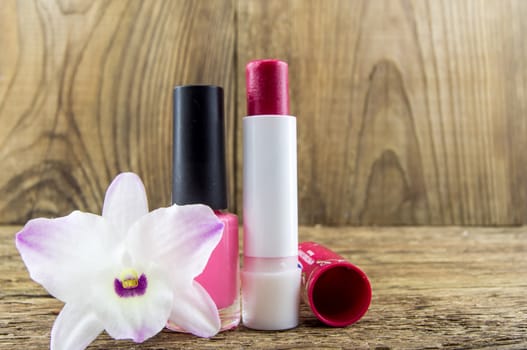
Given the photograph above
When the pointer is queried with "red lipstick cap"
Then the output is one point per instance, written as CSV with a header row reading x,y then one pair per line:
x,y
338,292
267,87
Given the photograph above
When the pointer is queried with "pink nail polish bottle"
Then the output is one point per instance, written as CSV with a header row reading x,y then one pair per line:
x,y
199,176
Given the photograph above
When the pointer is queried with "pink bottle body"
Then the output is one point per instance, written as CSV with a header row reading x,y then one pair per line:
x,y
220,277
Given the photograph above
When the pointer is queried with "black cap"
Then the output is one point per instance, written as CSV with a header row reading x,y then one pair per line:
x,y
199,174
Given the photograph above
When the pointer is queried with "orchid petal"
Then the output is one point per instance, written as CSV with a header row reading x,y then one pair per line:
x,y
194,311
75,328
126,271
125,202
62,254
182,237
135,317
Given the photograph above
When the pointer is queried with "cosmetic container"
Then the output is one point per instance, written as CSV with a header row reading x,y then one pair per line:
x,y
199,176
270,275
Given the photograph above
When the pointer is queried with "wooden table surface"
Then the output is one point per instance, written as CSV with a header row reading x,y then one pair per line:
x,y
433,287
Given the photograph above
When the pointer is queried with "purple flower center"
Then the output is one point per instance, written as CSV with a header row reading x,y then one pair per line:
x,y
129,287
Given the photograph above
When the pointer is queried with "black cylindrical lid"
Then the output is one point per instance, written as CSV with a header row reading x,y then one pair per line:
x,y
199,174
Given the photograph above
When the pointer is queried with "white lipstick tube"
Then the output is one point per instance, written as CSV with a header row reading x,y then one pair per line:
x,y
270,275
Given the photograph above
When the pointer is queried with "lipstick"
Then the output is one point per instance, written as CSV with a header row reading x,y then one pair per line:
x,y
270,275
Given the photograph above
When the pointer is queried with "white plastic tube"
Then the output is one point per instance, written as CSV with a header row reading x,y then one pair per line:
x,y
270,276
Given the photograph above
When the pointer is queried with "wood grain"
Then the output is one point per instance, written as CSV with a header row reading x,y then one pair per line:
x,y
86,92
409,112
433,288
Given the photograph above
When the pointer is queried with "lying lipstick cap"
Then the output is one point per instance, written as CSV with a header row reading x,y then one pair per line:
x,y
338,292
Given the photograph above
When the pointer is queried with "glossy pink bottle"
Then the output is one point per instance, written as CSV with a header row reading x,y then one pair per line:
x,y
199,176
220,277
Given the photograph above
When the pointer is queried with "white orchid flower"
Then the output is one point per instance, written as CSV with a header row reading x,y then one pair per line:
x,y
128,272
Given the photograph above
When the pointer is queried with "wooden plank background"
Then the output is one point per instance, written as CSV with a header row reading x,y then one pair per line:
x,y
434,288
409,112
